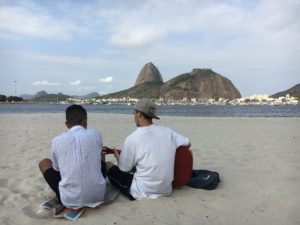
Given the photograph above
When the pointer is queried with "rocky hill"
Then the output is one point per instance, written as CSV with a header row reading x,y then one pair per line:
x,y
200,84
40,94
44,97
149,73
294,91
147,85
29,97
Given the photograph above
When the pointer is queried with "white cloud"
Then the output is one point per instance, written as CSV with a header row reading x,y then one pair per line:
x,y
106,80
155,22
137,37
46,83
60,58
19,20
75,83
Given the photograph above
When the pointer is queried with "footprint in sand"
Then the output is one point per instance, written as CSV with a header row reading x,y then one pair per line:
x,y
2,201
3,183
30,212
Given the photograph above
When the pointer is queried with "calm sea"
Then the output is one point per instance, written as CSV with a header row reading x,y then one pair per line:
x,y
167,110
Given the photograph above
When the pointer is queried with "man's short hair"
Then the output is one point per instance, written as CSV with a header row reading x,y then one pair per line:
x,y
144,115
75,114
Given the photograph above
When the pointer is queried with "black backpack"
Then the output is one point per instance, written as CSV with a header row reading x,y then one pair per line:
x,y
204,179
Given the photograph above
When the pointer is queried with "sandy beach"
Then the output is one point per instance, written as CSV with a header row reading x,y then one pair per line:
x,y
257,158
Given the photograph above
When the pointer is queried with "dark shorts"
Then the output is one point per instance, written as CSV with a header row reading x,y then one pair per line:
x,y
121,180
53,178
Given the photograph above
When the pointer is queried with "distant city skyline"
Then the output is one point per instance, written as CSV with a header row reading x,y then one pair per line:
x,y
79,47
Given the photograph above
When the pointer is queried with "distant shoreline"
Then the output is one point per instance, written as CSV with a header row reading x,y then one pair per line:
x,y
189,103
180,110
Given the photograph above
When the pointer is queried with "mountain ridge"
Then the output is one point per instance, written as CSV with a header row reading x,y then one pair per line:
x,y
293,91
199,83
46,97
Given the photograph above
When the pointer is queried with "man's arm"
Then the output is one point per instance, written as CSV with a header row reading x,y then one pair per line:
x,y
54,156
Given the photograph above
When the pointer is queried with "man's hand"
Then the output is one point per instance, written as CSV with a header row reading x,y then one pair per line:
x,y
116,154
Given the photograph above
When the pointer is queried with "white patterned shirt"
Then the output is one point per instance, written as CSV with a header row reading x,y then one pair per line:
x,y
76,154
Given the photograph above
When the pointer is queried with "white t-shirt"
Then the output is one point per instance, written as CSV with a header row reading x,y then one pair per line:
x,y
77,155
152,151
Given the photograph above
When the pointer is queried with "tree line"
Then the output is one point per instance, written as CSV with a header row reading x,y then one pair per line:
x,y
4,98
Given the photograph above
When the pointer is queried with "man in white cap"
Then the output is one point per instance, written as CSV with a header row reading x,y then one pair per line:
x,y
145,167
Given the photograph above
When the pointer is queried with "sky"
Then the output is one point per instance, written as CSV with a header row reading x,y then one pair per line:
x,y
81,46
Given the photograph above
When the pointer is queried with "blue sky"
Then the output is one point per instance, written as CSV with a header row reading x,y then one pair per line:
x,y
77,47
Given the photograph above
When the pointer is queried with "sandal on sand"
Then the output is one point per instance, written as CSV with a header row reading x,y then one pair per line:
x,y
50,204
46,208
72,214
68,213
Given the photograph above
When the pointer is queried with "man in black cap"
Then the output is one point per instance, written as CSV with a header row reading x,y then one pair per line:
x,y
150,152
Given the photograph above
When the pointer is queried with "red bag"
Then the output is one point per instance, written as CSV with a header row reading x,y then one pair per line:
x,y
183,166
